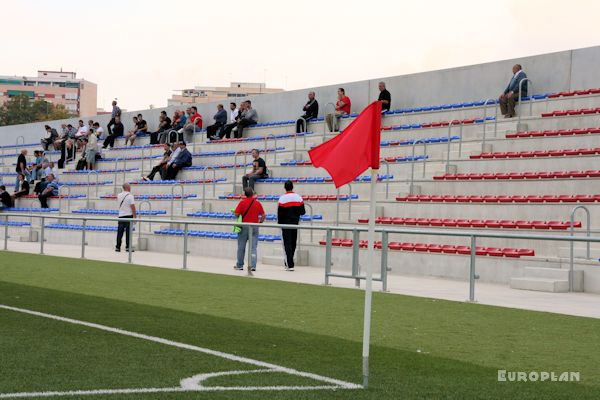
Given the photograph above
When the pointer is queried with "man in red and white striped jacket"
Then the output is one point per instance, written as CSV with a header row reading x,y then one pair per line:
x,y
289,210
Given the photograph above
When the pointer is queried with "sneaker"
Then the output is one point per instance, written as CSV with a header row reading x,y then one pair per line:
x,y
238,268
127,250
291,269
145,179
253,269
118,250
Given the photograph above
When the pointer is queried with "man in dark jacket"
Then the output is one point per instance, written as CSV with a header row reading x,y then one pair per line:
x,y
183,160
289,210
509,98
220,121
117,131
311,111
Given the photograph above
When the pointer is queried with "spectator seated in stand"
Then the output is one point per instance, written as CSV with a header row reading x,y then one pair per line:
x,y
234,115
259,170
509,98
193,125
131,132
50,138
384,97
161,166
183,159
38,165
164,126
311,112
342,107
82,132
115,131
22,189
100,134
141,128
249,118
5,198
50,190
212,131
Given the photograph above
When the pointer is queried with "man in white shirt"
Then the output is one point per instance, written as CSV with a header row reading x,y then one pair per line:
x,y
233,115
82,130
99,131
126,203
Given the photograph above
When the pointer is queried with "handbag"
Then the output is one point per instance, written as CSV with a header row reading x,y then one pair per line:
x,y
240,218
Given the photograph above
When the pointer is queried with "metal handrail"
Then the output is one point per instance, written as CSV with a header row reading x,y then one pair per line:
x,y
337,204
60,194
529,90
572,245
472,235
90,172
453,122
214,183
485,106
325,118
115,177
387,181
413,161
143,158
235,165
22,141
275,152
139,213
310,208
173,197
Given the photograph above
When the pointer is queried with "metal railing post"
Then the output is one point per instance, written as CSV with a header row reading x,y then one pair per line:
x,y
87,200
60,194
529,90
384,259
453,122
83,238
387,181
337,207
310,210
412,163
42,236
115,177
20,138
572,244
355,256
173,197
143,155
472,275
130,231
139,214
275,147
235,165
6,232
204,185
185,245
485,107
249,245
328,239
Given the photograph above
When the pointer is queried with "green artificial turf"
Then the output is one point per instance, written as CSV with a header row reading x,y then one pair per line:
x,y
421,348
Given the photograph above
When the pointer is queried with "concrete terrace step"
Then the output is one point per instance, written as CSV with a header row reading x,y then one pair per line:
x,y
540,284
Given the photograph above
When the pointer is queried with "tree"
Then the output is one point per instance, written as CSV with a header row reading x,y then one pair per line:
x,y
21,110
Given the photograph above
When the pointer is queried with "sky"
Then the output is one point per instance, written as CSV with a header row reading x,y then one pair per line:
x,y
141,51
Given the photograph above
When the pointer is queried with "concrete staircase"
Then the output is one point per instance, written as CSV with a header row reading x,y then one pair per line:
x,y
554,280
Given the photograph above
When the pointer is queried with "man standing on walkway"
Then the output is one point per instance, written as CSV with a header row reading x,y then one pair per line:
x,y
126,203
251,211
289,210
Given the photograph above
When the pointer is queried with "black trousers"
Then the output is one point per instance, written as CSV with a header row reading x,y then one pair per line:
x,y
241,125
226,131
154,171
110,141
123,228
290,237
172,172
44,199
154,136
110,125
212,130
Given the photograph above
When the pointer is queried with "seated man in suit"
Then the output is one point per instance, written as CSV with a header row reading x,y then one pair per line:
x,y
510,96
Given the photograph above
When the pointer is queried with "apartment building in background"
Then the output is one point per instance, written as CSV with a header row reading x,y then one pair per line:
x,y
233,92
58,87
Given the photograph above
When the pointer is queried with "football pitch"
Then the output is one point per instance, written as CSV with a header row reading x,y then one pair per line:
x,y
72,328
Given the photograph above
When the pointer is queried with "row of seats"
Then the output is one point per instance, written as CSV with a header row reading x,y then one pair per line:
x,y
98,171
76,227
178,181
153,196
233,152
60,196
437,248
259,138
296,163
563,198
437,124
578,111
30,209
574,93
136,158
92,183
538,153
275,197
216,235
320,179
519,175
410,142
553,132
14,223
115,212
231,215
474,223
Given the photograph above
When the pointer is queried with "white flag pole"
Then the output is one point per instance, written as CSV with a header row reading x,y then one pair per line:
x,y
369,280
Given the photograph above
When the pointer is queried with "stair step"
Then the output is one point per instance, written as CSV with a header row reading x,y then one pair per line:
x,y
540,284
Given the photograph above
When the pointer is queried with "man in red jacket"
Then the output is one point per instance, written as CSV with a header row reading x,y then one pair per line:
x,y
251,211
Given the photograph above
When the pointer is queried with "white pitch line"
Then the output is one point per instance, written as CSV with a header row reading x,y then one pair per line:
x,y
338,384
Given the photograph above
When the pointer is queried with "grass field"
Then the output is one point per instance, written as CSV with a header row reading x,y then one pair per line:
x,y
421,348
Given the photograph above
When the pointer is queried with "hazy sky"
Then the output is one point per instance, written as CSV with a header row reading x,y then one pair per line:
x,y
139,51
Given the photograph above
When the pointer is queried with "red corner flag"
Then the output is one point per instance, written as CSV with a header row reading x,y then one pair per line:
x,y
350,153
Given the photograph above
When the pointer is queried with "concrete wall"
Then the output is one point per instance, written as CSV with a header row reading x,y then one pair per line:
x,y
552,72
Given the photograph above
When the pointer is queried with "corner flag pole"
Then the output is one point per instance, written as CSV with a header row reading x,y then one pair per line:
x,y
369,280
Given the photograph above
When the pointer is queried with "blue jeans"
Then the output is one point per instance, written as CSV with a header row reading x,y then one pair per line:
x,y
242,240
